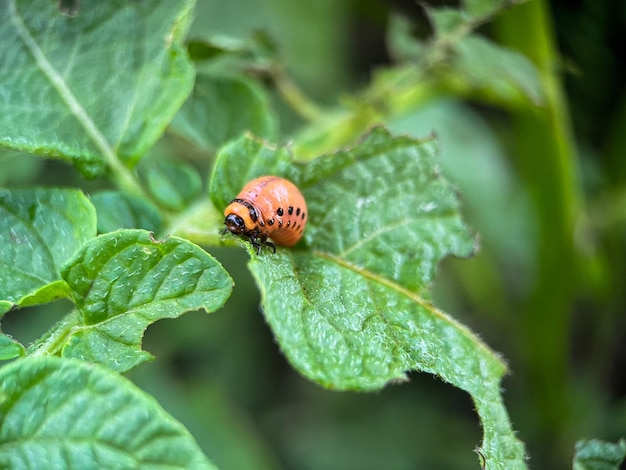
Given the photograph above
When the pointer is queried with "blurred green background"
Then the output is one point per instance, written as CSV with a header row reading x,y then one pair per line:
x,y
545,188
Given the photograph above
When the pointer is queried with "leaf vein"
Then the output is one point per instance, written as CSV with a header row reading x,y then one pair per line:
x,y
375,234
306,330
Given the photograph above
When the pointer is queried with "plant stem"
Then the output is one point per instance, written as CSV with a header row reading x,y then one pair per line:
x,y
51,342
198,223
294,96
124,178
546,160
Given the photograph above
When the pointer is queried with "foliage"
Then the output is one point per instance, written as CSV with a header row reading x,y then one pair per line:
x,y
92,418
165,120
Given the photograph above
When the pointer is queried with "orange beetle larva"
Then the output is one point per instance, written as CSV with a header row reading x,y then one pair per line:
x,y
268,207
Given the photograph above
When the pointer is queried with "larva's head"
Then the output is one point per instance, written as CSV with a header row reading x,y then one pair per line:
x,y
235,224
241,217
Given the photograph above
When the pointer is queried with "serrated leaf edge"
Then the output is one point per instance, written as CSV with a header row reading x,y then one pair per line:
x,y
413,297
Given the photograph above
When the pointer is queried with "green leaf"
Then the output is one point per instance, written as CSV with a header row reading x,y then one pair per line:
x,y
468,63
594,454
403,215
118,210
121,283
96,88
41,229
62,414
380,219
239,162
222,108
352,311
174,185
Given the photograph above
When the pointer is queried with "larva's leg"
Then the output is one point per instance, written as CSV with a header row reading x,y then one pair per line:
x,y
256,245
264,241
254,240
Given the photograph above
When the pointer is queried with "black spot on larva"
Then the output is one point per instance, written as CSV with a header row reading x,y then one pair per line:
x,y
261,223
290,210
280,211
271,221
280,223
288,223
298,211
303,215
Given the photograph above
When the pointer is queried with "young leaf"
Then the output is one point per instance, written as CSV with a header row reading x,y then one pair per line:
x,y
466,61
41,229
221,109
594,454
118,210
352,311
122,282
63,414
239,162
106,82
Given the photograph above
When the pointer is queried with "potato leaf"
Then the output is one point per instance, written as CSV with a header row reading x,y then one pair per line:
x,y
63,414
239,162
98,88
122,282
467,62
40,230
350,307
